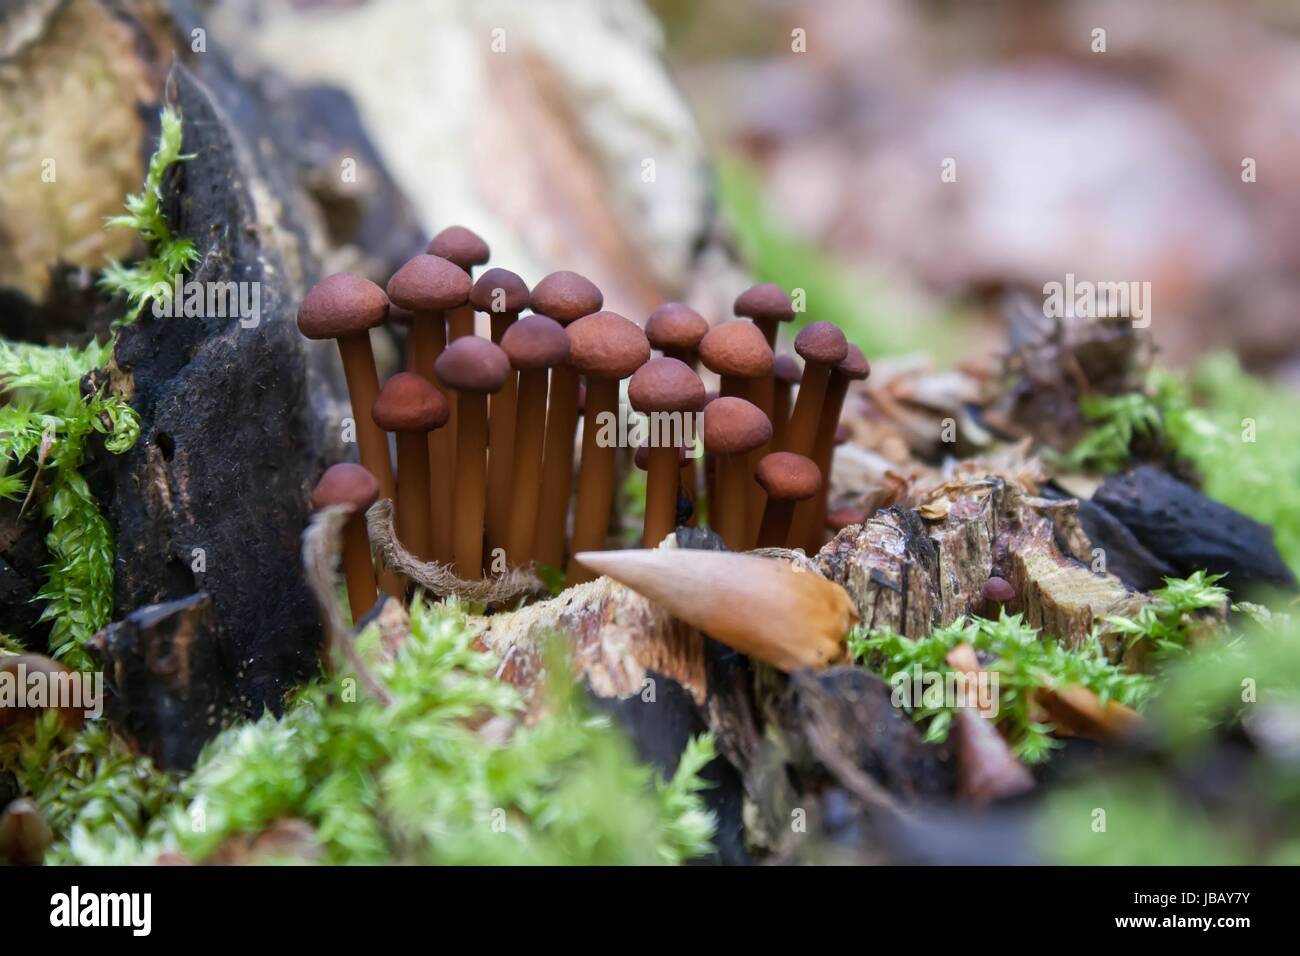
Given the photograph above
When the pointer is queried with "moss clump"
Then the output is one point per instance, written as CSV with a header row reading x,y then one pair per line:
x,y
169,255
421,780
44,428
1023,659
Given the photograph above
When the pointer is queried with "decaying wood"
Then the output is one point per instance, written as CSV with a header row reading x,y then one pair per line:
x,y
910,571
1190,532
164,668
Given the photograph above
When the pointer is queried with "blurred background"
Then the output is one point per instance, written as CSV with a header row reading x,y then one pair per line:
x,y
671,149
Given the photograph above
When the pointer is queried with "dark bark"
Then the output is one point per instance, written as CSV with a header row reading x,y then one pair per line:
x,y
1189,532
163,668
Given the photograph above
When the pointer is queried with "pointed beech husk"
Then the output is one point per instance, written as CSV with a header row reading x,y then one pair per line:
x,y
787,618
1078,712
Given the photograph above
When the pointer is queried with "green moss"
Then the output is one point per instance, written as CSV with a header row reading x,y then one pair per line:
x,y
1023,659
168,255
422,780
44,428
1169,622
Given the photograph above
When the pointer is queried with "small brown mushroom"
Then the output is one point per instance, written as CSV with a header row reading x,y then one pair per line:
x,y
409,406
606,348
24,834
535,344
355,489
737,352
787,478
822,346
768,306
676,330
810,517
466,249
564,297
475,368
19,668
733,428
430,286
785,375
345,307
666,390
502,295
996,593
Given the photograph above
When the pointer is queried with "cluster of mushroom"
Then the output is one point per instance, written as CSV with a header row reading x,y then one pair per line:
x,y
484,427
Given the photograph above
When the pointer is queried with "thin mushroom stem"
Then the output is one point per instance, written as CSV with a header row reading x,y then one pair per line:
x,y
662,479
557,466
727,507
502,410
471,485
775,529
596,476
363,386
801,435
526,488
810,515
780,413
413,494
428,340
358,571
442,460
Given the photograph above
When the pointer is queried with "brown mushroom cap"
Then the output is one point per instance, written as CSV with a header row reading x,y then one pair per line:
x,y
665,385
642,457
855,366
786,370
998,590
399,316
513,290
734,426
566,297
410,403
473,364
821,343
841,518
348,485
430,284
460,245
675,327
764,301
341,304
786,476
604,345
736,348
536,341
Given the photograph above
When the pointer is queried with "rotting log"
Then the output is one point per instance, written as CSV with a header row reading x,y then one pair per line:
x,y
910,571
163,669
